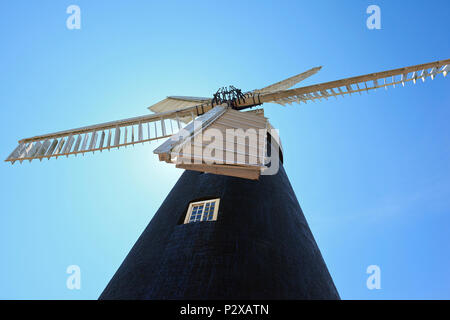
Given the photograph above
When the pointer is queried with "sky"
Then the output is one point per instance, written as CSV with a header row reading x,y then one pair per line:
x,y
371,172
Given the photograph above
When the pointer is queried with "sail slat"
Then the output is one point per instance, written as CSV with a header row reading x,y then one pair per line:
x,y
102,140
77,143
68,145
117,137
41,152
59,146
108,144
15,154
52,148
140,135
93,141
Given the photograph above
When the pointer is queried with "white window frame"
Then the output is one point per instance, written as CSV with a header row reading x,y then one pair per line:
x,y
204,202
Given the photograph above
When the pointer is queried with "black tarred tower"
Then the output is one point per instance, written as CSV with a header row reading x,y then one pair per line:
x,y
260,246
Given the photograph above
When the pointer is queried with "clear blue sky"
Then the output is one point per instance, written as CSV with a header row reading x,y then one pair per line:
x,y
371,172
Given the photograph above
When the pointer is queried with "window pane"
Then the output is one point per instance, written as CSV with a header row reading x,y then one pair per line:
x,y
202,211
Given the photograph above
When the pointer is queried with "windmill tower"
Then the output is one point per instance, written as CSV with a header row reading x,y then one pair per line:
x,y
231,228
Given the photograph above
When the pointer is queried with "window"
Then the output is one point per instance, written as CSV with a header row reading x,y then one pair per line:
x,y
202,211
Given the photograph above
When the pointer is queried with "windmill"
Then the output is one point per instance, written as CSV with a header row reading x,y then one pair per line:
x,y
231,227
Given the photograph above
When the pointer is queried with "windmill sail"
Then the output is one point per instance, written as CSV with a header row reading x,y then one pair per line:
x,y
358,84
114,134
220,114
173,103
289,82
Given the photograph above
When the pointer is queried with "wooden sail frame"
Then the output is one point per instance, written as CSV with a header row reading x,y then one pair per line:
x,y
355,84
165,124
